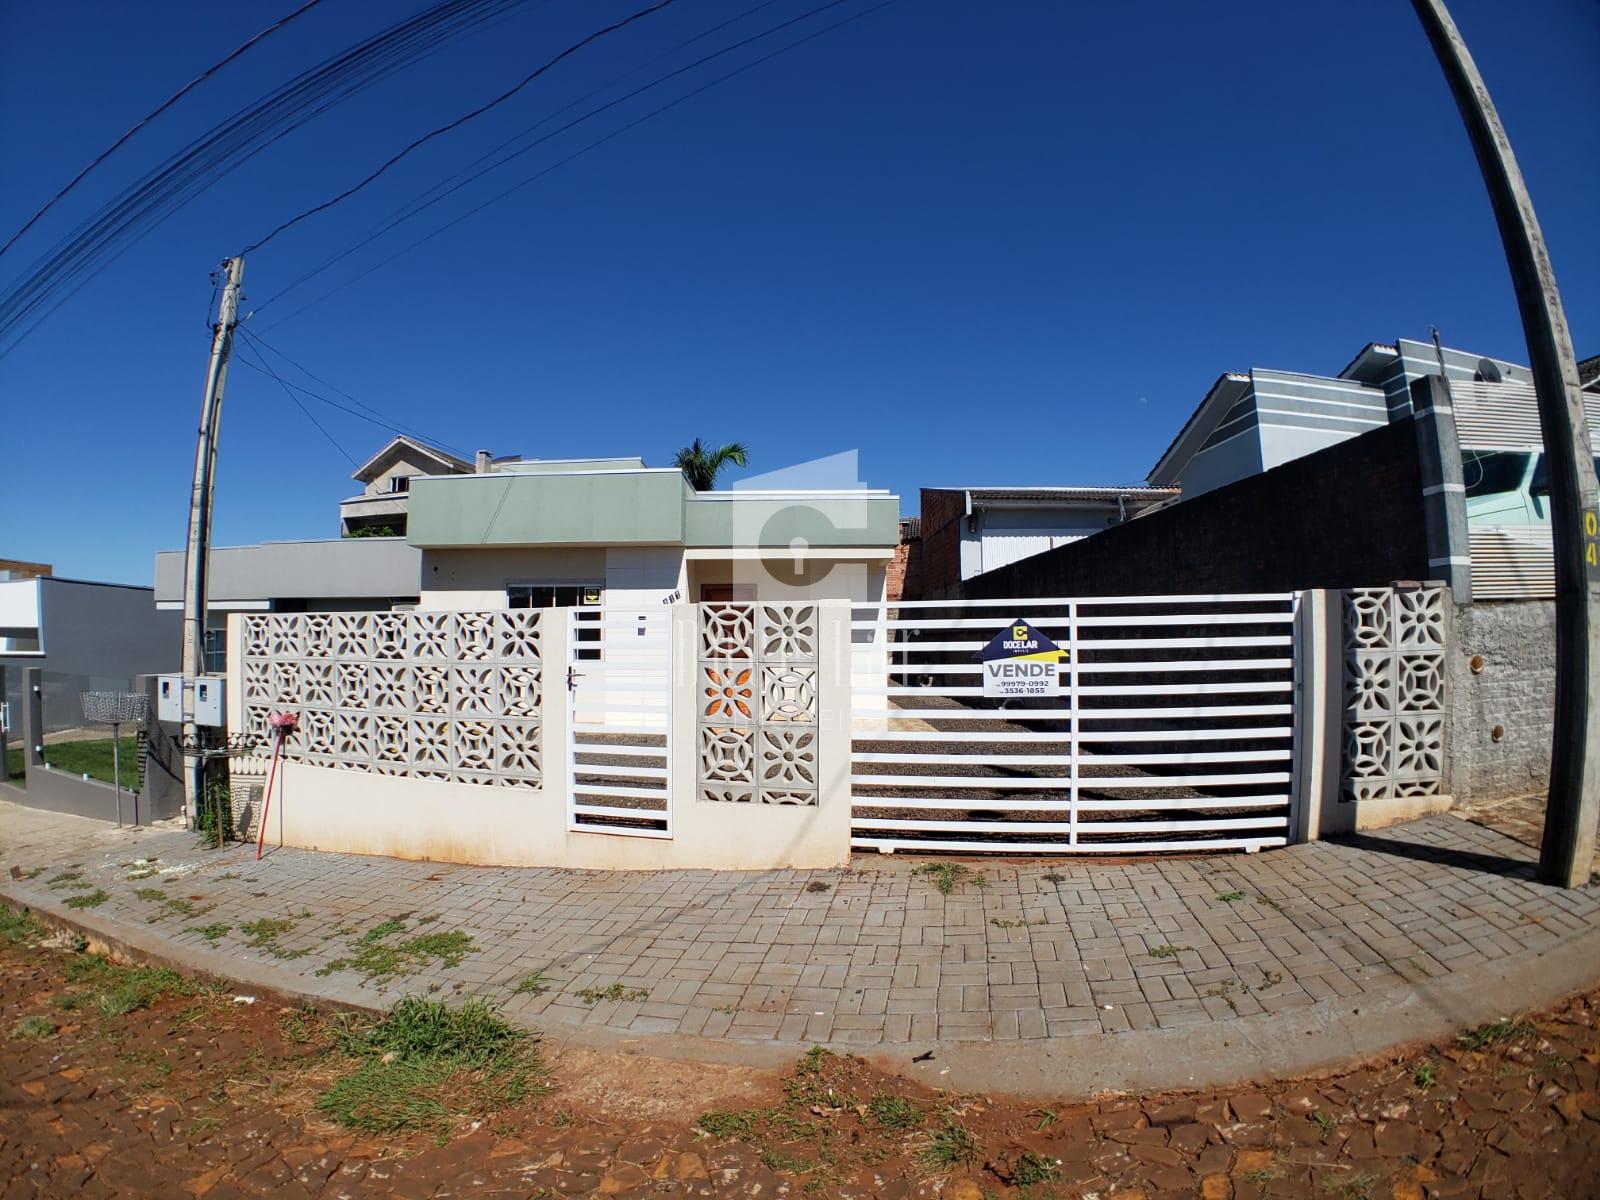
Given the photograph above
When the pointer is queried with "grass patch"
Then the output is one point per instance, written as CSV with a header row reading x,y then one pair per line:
x,y
65,880
263,933
1496,1033
1230,897
213,932
731,1122
894,1112
376,955
1031,1170
17,927
1324,1123
530,984
952,1145
114,990
94,759
32,1029
946,877
1425,1074
1168,951
427,1062
1353,1187
92,899
615,991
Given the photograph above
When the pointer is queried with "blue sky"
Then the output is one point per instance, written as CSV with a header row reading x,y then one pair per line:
x,y
1009,242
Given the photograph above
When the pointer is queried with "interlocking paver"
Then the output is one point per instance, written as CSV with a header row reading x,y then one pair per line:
x,y
1041,951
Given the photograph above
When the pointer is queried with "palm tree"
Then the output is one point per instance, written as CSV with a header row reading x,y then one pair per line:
x,y
701,465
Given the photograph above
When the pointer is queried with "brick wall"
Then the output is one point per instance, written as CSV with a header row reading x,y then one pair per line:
x,y
936,573
1347,516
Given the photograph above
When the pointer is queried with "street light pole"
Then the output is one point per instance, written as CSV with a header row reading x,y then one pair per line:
x,y
1573,807
198,552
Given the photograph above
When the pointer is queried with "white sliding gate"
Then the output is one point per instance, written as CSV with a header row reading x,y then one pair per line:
x,y
1173,727
619,727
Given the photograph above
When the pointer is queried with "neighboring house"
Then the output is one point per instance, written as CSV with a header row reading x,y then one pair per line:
x,y
1253,421
964,532
380,509
529,533
16,568
85,636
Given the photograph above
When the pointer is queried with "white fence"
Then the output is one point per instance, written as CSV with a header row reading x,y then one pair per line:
x,y
619,728
1173,727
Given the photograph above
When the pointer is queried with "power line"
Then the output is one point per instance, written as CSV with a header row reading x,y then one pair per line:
x,y
400,216
381,420
266,368
460,121
152,115
187,172
559,163
420,202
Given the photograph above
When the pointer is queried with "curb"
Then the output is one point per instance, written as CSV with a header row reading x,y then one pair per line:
x,y
1322,1039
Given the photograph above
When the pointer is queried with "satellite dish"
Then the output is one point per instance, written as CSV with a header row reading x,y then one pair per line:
x,y
1487,371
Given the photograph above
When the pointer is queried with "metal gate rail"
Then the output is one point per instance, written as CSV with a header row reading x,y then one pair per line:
x,y
1173,728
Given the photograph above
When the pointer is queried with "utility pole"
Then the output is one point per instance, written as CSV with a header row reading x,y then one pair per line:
x,y
1573,808
198,552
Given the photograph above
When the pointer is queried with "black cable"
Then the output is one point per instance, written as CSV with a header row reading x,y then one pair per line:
x,y
193,168
152,115
401,216
420,202
266,368
382,421
460,121
559,163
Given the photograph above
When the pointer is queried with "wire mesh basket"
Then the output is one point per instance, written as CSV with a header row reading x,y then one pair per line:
x,y
115,708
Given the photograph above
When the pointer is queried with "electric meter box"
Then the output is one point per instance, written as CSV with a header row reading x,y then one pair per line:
x,y
169,698
210,700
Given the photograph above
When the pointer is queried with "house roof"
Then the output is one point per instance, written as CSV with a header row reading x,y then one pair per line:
x,y
380,461
1134,491
1208,407
1589,373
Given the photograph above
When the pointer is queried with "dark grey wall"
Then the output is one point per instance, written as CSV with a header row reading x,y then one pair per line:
x,y
96,637
1514,691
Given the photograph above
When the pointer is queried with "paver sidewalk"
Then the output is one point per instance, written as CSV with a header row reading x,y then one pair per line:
x,y
871,955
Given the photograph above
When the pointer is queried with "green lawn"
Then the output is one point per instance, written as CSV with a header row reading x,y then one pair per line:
x,y
14,766
94,759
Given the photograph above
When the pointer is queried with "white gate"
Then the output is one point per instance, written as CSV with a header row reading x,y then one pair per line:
x,y
1173,727
619,727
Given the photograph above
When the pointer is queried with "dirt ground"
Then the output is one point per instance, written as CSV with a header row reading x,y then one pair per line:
x,y
125,1081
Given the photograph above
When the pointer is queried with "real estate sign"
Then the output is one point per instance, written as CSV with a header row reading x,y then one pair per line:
x,y
1020,661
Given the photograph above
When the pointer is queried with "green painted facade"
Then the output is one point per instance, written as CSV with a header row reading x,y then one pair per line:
x,y
626,506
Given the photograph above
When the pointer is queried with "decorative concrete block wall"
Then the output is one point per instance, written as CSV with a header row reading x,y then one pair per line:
x,y
454,696
1395,696
756,717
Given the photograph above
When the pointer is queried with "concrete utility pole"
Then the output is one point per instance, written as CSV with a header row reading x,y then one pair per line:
x,y
198,553
1574,804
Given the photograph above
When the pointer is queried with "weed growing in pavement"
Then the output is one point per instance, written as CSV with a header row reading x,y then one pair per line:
x,y
818,885
17,926
894,1112
1425,1074
1224,992
170,905
1046,1116
213,932
263,934
1269,902
531,984
66,881
92,899
426,1062
376,956
33,1028
1002,923
1230,897
1350,1187
946,877
731,1122
1496,1033
951,1145
1168,951
615,991
1324,1123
